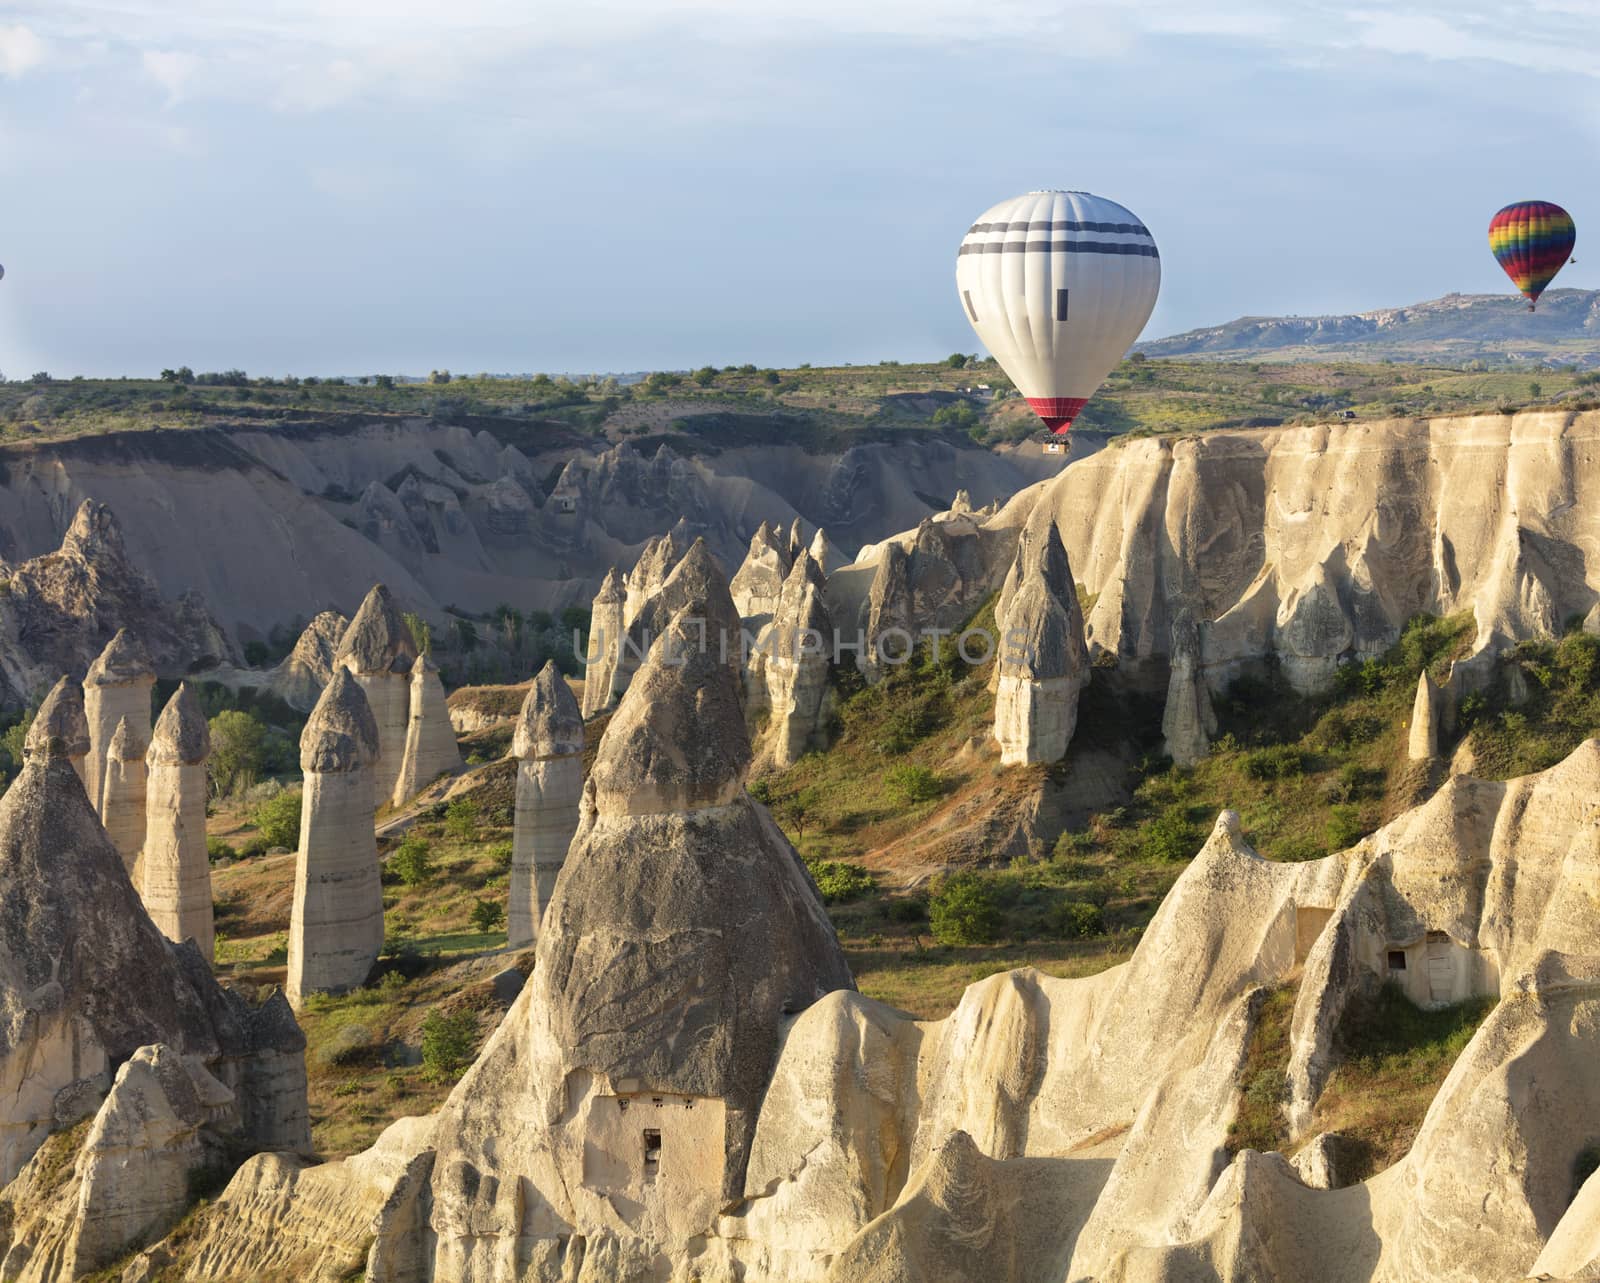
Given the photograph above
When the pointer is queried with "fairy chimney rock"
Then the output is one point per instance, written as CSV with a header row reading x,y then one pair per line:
x,y
677,742
60,727
174,869
123,794
379,649
548,743
606,628
682,935
118,686
431,749
1043,658
1423,742
336,924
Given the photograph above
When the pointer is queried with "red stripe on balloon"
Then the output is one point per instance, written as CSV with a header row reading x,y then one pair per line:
x,y
1058,412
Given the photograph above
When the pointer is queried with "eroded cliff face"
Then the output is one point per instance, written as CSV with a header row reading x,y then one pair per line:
x,y
1318,543
270,524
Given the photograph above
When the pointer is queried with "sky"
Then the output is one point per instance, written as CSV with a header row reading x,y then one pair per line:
x,y
362,186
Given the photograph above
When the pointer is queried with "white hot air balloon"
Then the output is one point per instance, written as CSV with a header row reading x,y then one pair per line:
x,y
1058,286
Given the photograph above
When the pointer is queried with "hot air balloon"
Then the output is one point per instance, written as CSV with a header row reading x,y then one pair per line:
x,y
1532,241
1058,286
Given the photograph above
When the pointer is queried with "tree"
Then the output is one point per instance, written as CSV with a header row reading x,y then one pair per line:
x,y
384,381
278,819
1535,389
421,632
238,742
956,360
438,376
799,808
705,376
962,910
487,915
448,1043
41,376
412,862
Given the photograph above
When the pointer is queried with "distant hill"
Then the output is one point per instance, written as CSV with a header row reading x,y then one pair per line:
x,y
1495,328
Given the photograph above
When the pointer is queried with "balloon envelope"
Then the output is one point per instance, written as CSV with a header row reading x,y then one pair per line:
x,y
1532,241
1058,286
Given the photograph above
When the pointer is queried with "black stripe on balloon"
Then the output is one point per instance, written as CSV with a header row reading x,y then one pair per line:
x,y
1061,225
1060,247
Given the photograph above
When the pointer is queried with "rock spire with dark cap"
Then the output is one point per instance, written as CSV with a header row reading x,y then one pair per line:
x,y
336,924
548,744
379,649
59,728
431,749
796,655
175,869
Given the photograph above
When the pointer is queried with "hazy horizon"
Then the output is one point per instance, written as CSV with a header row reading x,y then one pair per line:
x,y
340,188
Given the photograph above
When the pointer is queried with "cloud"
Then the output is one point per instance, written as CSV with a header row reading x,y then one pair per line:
x,y
20,50
171,69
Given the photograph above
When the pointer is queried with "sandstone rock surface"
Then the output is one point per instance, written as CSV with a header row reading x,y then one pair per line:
x,y
336,924
175,868
118,686
1043,660
548,744
430,745
379,649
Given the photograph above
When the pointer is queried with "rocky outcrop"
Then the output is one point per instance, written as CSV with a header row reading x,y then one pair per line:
x,y
607,631
60,727
123,797
696,582
60,610
756,584
430,747
1187,721
823,553
86,980
548,746
795,661
118,686
379,649
1043,660
656,560
1318,543
888,620
175,869
132,1178
1422,739
299,679
797,540
336,924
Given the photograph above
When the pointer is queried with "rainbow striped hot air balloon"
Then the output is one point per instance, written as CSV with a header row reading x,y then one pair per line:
x,y
1532,241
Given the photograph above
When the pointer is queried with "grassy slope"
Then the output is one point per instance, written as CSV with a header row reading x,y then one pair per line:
x,y
821,408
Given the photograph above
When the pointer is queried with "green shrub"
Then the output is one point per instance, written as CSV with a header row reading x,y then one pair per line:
x,y
1344,827
461,819
500,856
1170,836
487,915
448,1043
1279,762
238,751
912,784
761,790
962,910
839,882
277,819
217,849
412,861
1074,919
